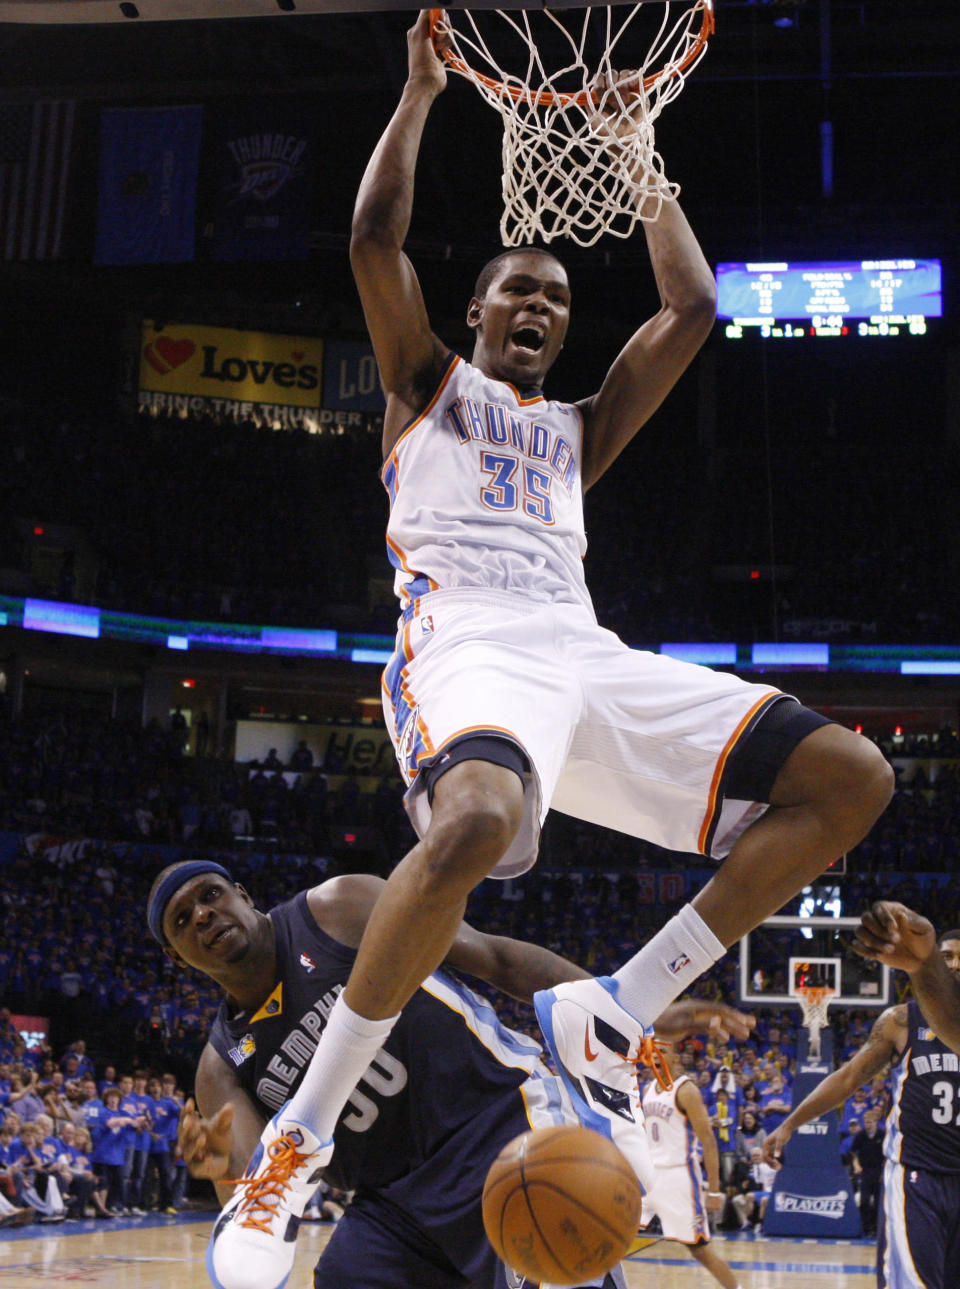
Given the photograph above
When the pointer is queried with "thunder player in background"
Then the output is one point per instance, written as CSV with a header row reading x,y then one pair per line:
x,y
918,1240
678,1128
506,698
449,1088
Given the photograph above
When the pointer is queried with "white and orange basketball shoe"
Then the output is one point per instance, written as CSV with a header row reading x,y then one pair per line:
x,y
597,1046
254,1240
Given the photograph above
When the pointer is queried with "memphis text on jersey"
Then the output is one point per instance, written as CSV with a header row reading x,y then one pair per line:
x,y
385,1075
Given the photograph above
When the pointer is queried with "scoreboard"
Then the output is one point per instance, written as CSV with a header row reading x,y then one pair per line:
x,y
784,300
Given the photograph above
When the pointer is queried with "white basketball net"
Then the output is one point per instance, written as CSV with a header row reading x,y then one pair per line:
x,y
815,1003
578,149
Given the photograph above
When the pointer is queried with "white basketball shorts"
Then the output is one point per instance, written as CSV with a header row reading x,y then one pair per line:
x,y
632,740
677,1200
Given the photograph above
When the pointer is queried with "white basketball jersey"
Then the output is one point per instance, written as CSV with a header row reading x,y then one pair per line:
x,y
485,492
672,1140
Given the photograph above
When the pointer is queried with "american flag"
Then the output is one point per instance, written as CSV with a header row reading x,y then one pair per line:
x,y
34,163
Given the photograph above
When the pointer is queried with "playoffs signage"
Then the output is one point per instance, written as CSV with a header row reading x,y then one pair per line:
x,y
812,1202
187,369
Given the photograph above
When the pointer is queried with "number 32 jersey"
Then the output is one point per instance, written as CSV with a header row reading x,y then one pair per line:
x,y
923,1127
485,492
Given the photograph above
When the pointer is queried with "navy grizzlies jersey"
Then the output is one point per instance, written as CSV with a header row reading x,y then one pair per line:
x,y
923,1128
448,1064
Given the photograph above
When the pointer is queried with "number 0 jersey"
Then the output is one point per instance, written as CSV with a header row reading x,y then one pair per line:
x,y
485,492
923,1127
672,1139
448,1071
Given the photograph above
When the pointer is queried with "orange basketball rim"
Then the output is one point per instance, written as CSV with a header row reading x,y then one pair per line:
x,y
585,98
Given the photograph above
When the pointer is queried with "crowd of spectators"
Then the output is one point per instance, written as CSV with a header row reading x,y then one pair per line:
x,y
87,779
74,1145
200,520
90,777
193,519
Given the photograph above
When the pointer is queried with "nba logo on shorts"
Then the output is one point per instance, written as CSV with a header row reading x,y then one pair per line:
x,y
678,964
426,623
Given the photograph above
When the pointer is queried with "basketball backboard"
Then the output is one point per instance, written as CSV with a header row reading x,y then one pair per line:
x,y
787,952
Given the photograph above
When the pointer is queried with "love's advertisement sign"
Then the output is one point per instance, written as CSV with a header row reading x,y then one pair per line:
x,y
249,373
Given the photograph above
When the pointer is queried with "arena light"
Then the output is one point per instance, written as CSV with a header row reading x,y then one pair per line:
x,y
931,667
707,654
791,655
61,619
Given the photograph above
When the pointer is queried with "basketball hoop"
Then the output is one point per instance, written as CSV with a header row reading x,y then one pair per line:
x,y
578,147
814,999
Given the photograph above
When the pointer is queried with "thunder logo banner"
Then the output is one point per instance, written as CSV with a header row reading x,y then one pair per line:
x,y
263,159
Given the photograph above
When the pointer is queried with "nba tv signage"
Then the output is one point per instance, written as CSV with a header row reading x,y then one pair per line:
x,y
189,370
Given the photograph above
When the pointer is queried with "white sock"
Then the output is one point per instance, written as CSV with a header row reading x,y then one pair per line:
x,y
667,965
347,1046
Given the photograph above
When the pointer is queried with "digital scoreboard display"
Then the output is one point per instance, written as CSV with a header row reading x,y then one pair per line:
x,y
829,298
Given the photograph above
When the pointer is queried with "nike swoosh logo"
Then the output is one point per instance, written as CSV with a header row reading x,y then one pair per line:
x,y
591,1056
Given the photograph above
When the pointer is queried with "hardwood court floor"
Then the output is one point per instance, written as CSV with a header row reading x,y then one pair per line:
x,y
168,1253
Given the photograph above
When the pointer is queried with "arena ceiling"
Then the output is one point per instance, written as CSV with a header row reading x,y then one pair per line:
x,y
744,139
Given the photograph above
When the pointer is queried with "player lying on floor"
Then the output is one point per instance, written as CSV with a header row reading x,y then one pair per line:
x,y
450,1087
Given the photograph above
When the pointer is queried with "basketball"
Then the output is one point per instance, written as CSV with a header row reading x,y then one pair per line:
x,y
561,1205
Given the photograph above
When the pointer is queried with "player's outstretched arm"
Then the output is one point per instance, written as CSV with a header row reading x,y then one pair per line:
x,y
408,354
691,1103
700,1016
218,1138
658,353
882,1046
342,906
890,932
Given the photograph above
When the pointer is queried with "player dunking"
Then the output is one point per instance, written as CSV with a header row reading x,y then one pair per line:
x,y
506,698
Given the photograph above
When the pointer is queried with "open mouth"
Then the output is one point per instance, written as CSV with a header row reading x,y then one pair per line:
x,y
529,339
215,939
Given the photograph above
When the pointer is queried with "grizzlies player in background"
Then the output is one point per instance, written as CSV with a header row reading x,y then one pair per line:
x,y
678,1129
890,932
505,697
918,1240
449,1088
